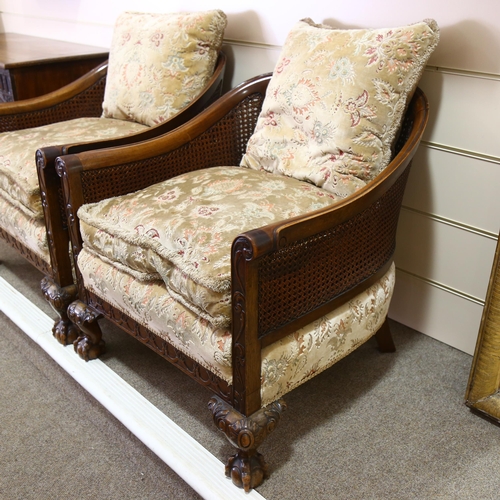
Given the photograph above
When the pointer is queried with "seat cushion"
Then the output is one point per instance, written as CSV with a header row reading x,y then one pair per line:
x,y
18,174
180,231
285,364
335,102
158,63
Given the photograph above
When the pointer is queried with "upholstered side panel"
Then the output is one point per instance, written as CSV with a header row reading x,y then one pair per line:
x,y
27,230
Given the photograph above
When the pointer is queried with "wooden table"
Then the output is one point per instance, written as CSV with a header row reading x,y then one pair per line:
x,y
32,66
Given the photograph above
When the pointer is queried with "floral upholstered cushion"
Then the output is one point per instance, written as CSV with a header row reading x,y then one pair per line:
x,y
181,230
24,228
18,174
336,100
285,364
159,63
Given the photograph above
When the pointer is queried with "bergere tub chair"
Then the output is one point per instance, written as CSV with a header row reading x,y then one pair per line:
x,y
262,251
163,70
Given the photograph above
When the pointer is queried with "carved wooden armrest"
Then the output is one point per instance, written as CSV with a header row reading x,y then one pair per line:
x,y
83,97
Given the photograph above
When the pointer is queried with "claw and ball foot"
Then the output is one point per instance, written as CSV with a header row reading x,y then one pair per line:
x,y
89,345
247,467
60,298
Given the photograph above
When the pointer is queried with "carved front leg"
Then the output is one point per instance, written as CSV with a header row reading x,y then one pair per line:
x,y
60,298
247,467
89,345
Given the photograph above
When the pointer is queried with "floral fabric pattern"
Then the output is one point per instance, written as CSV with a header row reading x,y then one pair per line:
x,y
180,231
159,63
18,175
285,364
336,100
304,354
31,232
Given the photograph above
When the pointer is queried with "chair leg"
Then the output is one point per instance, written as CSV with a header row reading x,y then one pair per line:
x,y
89,345
384,338
247,467
60,298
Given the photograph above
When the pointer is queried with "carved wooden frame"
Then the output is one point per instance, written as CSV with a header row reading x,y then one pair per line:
x,y
483,389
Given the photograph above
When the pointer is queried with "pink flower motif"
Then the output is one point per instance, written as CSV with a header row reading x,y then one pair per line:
x,y
168,196
358,108
282,65
269,120
151,233
207,211
125,38
393,50
302,96
203,47
157,38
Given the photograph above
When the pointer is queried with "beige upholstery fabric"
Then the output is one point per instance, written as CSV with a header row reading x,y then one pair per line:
x,y
159,63
285,364
336,100
31,232
18,175
181,230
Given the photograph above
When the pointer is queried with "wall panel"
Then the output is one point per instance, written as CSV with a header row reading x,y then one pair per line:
x,y
438,313
454,186
464,111
246,61
445,254
471,30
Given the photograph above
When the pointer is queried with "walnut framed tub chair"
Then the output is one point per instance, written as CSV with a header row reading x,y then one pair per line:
x,y
144,90
261,253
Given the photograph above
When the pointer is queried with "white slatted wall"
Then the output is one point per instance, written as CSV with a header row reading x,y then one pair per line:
x,y
450,221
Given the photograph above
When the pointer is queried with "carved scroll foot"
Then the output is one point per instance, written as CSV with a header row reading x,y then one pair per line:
x,y
60,298
89,345
384,338
247,467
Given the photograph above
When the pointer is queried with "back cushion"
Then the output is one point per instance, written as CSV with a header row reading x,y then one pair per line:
x,y
336,100
159,62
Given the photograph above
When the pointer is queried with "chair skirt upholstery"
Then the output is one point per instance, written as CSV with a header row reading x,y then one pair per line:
x,y
285,364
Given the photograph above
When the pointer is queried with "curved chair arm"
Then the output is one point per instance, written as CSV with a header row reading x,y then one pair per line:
x,y
216,136
341,248
287,275
46,156
80,98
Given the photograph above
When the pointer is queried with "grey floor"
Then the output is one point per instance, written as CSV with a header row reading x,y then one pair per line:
x,y
374,426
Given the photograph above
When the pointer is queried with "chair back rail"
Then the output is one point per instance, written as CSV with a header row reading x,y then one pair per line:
x,y
212,91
